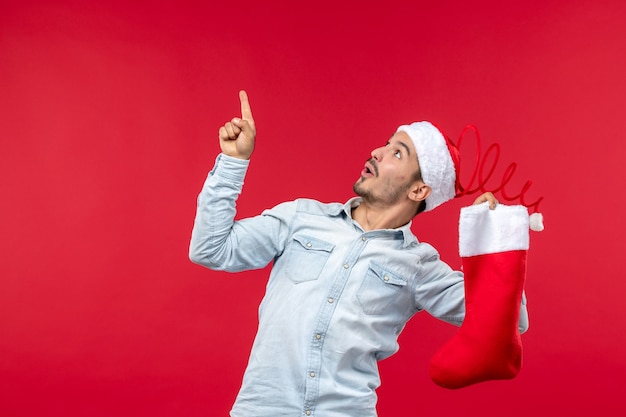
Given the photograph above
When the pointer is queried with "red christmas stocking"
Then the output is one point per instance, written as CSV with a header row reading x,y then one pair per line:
x,y
493,246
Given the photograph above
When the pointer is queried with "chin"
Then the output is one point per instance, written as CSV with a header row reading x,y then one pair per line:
x,y
358,190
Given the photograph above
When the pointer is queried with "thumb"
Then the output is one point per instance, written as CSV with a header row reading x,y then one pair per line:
x,y
247,128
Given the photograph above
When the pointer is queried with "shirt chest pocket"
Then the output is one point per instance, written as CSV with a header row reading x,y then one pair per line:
x,y
380,289
307,257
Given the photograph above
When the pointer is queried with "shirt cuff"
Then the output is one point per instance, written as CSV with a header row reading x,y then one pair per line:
x,y
230,168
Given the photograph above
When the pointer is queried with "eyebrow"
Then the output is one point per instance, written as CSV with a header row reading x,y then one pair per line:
x,y
408,151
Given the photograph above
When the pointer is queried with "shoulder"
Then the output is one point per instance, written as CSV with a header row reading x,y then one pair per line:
x,y
306,206
315,207
427,252
431,266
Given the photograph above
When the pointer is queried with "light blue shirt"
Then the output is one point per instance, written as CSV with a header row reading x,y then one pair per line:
x,y
336,300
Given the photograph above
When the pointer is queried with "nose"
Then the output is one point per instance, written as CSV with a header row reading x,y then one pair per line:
x,y
377,154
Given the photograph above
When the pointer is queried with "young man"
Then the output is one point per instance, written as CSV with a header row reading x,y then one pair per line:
x,y
345,278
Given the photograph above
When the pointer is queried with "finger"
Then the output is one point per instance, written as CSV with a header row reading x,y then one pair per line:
x,y
246,111
232,130
481,199
223,134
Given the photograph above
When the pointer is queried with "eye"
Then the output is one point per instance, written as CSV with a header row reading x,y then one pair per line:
x,y
397,154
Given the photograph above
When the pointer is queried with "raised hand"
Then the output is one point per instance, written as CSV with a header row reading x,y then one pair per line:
x,y
237,136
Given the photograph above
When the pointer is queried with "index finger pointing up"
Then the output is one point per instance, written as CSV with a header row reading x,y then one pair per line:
x,y
246,112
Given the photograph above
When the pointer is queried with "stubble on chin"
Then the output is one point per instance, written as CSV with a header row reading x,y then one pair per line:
x,y
389,197
358,190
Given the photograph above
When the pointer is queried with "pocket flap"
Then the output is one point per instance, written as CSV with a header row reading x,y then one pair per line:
x,y
386,275
311,243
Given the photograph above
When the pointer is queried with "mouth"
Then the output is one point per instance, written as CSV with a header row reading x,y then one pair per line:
x,y
370,169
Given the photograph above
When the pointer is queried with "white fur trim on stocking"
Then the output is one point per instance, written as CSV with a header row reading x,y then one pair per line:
x,y
483,231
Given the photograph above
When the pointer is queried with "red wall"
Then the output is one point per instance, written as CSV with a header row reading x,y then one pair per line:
x,y
108,125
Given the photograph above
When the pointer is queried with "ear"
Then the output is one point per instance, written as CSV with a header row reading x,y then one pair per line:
x,y
419,191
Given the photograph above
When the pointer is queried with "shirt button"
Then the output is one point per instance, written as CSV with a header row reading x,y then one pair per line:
x,y
346,266
330,300
363,238
308,245
307,412
318,336
312,374
386,278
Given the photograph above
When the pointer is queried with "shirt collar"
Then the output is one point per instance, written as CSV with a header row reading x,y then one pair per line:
x,y
405,231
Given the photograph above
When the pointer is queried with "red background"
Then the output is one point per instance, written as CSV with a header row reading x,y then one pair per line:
x,y
108,125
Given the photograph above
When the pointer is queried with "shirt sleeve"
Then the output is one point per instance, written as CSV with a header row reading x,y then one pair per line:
x,y
440,291
221,243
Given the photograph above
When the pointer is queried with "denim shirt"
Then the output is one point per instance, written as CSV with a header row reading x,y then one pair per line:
x,y
336,300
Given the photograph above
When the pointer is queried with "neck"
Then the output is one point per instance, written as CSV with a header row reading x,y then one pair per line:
x,y
372,217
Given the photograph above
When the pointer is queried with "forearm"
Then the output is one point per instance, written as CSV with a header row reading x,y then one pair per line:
x,y
215,213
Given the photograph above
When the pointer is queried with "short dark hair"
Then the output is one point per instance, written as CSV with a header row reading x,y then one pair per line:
x,y
418,177
421,207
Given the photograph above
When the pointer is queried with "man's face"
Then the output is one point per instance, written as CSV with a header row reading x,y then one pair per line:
x,y
389,173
